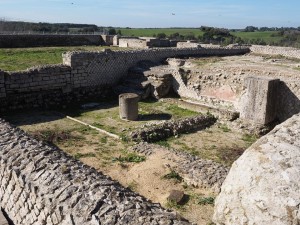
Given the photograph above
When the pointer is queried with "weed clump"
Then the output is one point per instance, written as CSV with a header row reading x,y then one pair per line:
x,y
173,175
130,157
206,200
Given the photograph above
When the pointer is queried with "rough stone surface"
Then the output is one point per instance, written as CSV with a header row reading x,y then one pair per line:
x,y
176,196
194,170
263,185
128,105
258,104
3,220
172,128
272,50
40,184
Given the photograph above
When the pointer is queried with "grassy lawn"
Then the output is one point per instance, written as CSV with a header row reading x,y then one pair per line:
x,y
12,59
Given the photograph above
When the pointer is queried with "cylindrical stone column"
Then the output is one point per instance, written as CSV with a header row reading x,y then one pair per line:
x,y
128,106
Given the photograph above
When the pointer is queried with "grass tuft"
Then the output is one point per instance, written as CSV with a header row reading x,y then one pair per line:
x,y
130,157
173,176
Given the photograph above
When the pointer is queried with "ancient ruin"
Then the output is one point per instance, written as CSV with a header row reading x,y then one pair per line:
x,y
221,88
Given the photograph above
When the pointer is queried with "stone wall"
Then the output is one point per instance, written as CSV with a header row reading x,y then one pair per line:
x,y
108,67
84,75
272,50
262,186
132,43
172,128
40,184
188,44
36,40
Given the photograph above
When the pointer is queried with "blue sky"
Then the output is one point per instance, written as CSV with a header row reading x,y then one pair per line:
x,y
156,13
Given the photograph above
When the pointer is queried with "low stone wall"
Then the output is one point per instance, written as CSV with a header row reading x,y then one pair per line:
x,y
132,43
40,184
41,40
82,72
108,67
272,50
262,186
44,87
188,45
172,128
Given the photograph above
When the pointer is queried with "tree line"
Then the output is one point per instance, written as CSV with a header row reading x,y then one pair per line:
x,y
18,26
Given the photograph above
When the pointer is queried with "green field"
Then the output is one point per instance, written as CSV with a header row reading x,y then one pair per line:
x,y
150,32
264,35
13,59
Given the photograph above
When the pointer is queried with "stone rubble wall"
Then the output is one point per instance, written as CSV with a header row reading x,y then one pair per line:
x,y
42,40
172,128
40,184
262,186
273,50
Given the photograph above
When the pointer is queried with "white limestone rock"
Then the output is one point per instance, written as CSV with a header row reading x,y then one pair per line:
x,y
263,185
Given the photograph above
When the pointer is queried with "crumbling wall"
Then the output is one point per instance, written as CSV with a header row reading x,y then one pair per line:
x,y
132,43
172,128
188,44
43,87
84,75
108,67
272,50
40,184
37,40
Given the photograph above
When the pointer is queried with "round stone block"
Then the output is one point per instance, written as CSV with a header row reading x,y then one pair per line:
x,y
128,106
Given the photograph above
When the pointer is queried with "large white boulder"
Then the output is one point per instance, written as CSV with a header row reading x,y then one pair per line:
x,y
263,185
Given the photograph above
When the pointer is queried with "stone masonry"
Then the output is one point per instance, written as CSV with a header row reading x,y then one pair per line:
x,y
258,104
40,184
82,75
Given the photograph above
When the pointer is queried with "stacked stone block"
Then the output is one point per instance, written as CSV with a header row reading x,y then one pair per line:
x,y
108,67
259,104
40,184
38,79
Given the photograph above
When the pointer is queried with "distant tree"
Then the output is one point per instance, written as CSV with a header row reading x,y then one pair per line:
x,y
112,31
174,35
161,35
119,32
190,37
250,29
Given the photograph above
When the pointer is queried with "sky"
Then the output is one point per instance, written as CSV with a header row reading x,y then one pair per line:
x,y
156,13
